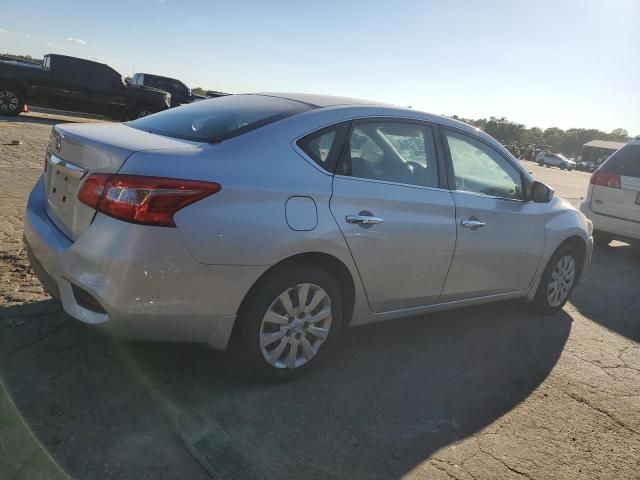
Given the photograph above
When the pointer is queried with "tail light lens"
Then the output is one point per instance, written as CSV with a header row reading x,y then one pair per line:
x,y
605,179
140,199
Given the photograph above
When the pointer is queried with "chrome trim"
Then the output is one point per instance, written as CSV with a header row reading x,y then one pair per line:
x,y
363,219
69,168
472,223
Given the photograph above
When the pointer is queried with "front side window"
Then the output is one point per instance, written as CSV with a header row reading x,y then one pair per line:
x,y
391,151
478,168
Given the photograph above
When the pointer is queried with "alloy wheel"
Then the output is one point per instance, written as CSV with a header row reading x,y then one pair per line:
x,y
562,277
295,326
9,101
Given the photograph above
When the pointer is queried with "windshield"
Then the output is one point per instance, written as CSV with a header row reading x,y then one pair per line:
x,y
219,118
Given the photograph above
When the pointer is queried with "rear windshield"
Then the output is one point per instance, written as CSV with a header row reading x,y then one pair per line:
x,y
219,118
625,161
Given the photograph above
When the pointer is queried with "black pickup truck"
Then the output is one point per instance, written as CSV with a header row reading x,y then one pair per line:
x,y
180,93
75,84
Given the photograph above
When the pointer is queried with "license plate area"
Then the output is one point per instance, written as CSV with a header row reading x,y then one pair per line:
x,y
62,187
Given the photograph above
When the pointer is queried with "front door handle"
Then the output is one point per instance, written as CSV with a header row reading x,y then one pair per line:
x,y
364,219
473,223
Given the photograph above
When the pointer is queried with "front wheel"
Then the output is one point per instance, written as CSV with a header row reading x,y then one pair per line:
x,y
562,166
541,163
289,322
558,280
11,101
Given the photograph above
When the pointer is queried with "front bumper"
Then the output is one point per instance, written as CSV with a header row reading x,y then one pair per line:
x,y
144,277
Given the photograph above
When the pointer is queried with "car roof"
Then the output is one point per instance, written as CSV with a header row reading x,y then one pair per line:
x,y
321,101
334,102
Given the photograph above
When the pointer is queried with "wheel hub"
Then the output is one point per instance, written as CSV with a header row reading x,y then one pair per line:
x,y
295,325
561,280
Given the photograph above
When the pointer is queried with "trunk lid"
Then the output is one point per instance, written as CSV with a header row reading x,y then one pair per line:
x,y
623,202
77,150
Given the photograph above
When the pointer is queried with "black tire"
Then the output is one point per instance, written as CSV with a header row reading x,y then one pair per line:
x,y
141,111
246,349
11,100
541,163
601,239
562,166
541,301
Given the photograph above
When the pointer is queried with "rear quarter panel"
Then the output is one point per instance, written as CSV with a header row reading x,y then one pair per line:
x,y
245,223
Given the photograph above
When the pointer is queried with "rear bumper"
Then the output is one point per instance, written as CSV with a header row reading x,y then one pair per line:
x,y
605,223
144,277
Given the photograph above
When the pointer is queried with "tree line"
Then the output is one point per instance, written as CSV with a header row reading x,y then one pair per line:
x,y
568,142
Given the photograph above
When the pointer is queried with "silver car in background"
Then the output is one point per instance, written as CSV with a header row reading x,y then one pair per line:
x,y
271,222
555,160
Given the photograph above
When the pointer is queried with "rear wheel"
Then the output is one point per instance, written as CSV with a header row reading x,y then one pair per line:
x,y
289,322
562,166
11,100
558,280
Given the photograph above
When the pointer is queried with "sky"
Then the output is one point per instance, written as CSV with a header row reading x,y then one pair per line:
x,y
544,63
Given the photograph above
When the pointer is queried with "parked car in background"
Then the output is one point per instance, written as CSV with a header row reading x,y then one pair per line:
x,y
586,166
272,222
75,84
215,94
613,197
555,160
180,93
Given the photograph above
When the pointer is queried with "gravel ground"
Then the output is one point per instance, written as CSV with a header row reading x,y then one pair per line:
x,y
484,392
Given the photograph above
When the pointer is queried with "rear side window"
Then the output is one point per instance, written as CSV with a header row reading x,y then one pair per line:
x,y
323,146
219,118
625,162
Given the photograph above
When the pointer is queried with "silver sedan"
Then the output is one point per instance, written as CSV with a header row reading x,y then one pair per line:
x,y
271,222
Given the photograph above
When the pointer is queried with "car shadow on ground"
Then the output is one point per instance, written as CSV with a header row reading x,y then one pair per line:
x,y
390,396
608,294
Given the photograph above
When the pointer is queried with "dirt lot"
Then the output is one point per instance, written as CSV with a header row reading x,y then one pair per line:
x,y
485,392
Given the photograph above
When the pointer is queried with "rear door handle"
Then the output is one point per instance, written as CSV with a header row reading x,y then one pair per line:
x,y
364,219
473,223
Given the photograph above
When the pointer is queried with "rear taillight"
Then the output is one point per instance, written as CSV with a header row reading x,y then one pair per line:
x,y
139,199
605,179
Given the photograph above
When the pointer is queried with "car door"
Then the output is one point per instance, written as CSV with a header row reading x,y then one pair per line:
x,y
67,75
398,222
500,235
108,91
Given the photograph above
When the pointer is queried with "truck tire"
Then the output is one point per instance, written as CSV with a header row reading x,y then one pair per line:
x,y
142,111
11,100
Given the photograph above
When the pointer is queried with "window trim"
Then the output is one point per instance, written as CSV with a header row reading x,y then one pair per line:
x,y
439,164
524,181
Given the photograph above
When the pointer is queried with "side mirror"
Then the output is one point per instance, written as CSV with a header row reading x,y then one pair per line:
x,y
541,193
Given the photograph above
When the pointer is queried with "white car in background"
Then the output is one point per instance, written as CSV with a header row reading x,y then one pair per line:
x,y
613,198
555,160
